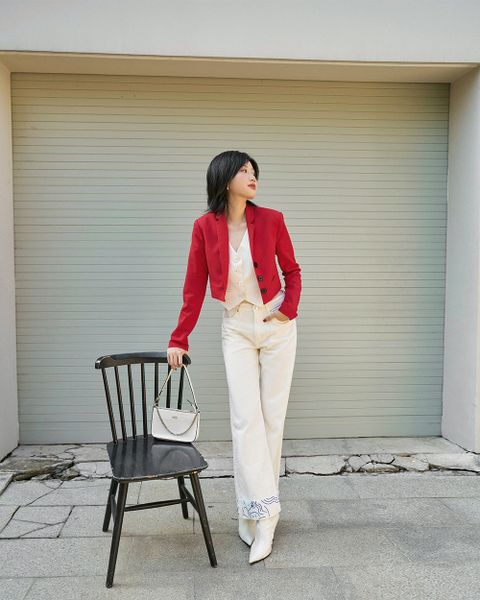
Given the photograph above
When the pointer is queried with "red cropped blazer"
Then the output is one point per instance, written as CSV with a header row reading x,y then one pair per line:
x,y
209,258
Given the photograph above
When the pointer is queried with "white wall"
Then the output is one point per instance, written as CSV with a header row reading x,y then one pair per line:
x,y
461,392
8,366
353,30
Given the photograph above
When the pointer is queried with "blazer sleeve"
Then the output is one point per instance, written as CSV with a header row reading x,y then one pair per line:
x,y
194,289
290,270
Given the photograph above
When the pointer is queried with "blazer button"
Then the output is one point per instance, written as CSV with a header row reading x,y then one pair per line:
x,y
260,277
263,290
255,264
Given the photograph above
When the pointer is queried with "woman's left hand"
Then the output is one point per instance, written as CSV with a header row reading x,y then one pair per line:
x,y
277,315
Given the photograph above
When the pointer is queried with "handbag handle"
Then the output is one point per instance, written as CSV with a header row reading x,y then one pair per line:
x,y
195,405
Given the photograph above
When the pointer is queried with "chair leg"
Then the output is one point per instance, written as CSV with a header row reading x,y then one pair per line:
x,y
117,530
197,492
108,509
181,481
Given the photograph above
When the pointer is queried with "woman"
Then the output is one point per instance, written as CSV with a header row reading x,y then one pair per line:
x,y
235,244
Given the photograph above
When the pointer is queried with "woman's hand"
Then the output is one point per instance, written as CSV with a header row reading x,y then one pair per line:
x,y
174,357
277,315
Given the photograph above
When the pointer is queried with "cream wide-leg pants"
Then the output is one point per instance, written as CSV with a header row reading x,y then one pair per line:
x,y
259,360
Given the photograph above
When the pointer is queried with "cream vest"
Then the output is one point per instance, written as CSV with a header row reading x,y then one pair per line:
x,y
242,280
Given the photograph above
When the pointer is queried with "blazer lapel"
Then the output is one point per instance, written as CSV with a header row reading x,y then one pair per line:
x,y
250,216
222,245
222,235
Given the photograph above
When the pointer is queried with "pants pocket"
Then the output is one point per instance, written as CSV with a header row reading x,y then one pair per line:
x,y
275,320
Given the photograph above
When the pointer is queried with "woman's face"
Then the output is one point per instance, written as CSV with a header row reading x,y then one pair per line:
x,y
244,183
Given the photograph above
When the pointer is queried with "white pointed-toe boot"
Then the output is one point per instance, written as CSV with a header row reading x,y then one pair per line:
x,y
262,544
247,529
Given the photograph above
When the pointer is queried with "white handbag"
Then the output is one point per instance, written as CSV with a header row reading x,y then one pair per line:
x,y
174,424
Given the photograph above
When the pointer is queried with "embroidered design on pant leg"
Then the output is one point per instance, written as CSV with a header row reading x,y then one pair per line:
x,y
256,509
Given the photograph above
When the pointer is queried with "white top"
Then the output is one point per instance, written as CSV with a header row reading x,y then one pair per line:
x,y
242,280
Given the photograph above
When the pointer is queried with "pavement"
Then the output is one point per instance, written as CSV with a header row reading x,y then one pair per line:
x,y
351,527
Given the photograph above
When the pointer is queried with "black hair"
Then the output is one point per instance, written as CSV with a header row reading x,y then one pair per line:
x,y
220,171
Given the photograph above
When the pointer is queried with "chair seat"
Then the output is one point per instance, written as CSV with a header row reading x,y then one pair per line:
x,y
143,458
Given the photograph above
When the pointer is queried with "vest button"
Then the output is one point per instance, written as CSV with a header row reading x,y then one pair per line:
x,y
263,290
260,277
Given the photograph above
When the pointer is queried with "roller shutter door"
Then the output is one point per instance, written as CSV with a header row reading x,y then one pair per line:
x,y
109,174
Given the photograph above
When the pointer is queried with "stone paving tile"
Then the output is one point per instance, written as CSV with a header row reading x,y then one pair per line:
x,y
329,547
179,552
437,544
167,586
6,513
219,489
215,449
36,522
220,583
468,461
24,492
268,584
79,493
48,515
410,463
331,446
218,466
397,445
137,555
437,443
94,469
26,468
50,531
321,465
90,452
415,485
223,467
87,521
223,517
215,489
466,508
43,450
374,512
22,529
53,492
410,581
14,589
53,557
321,487
5,479
159,489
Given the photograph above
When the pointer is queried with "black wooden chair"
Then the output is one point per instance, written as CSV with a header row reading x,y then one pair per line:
x,y
142,457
